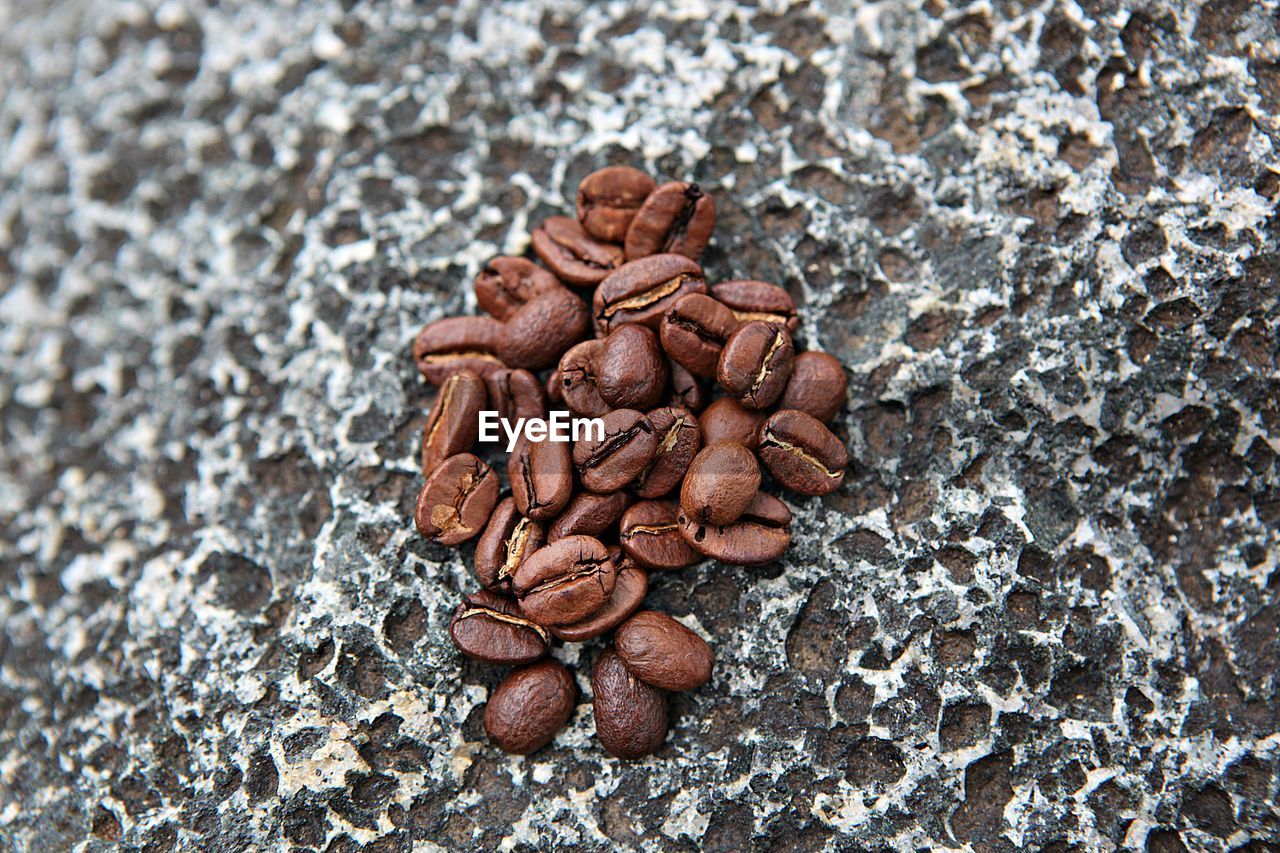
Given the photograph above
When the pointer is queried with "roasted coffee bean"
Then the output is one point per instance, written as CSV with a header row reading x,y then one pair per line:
x,y
609,464
491,628
555,391
507,541
676,217
801,453
755,363
642,291
679,438
759,535
457,500
530,706
817,386
506,283
727,420
758,300
694,330
631,369
687,391
631,716
515,394
541,477
608,199
628,595
578,379
572,254
457,343
454,423
589,514
720,483
661,652
540,330
651,536
565,581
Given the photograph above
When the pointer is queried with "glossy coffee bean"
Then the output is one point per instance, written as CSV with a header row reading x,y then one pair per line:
x,y
631,716
609,464
565,581
608,199
679,439
573,255
506,283
755,364
651,536
642,291
727,420
491,628
694,330
761,534
507,541
535,335
541,477
758,300
685,390
530,706
456,501
661,652
631,369
817,386
628,595
720,483
589,514
676,217
801,453
515,394
579,383
457,343
454,423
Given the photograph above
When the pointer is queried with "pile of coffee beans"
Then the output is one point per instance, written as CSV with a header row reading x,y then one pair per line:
x,y
698,387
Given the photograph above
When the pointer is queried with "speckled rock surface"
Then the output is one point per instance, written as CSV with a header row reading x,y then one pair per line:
x,y
1042,237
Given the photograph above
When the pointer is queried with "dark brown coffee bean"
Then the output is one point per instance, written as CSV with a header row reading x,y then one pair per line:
x,y
609,464
608,199
727,420
491,628
555,391
572,254
515,394
541,476
761,534
651,536
758,300
456,501
679,438
720,483
454,423
687,391
507,541
589,514
578,379
801,453
541,329
755,364
566,581
817,386
457,343
506,283
676,217
661,652
530,706
694,330
631,369
631,716
628,595
643,290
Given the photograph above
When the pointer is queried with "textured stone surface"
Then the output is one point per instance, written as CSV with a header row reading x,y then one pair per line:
x,y
1041,612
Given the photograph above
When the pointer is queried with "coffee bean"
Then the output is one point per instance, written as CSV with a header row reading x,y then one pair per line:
x,y
566,581
727,420
454,423
801,453
507,541
631,716
609,464
817,386
540,330
541,477
457,499
589,514
506,283
651,536
758,300
755,363
578,379
676,217
457,343
628,595
515,394
759,535
694,330
530,706
631,369
555,391
661,652
686,391
491,628
572,254
641,291
721,482
608,199
679,438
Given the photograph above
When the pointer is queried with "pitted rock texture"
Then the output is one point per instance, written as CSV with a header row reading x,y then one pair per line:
x,y
1042,611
